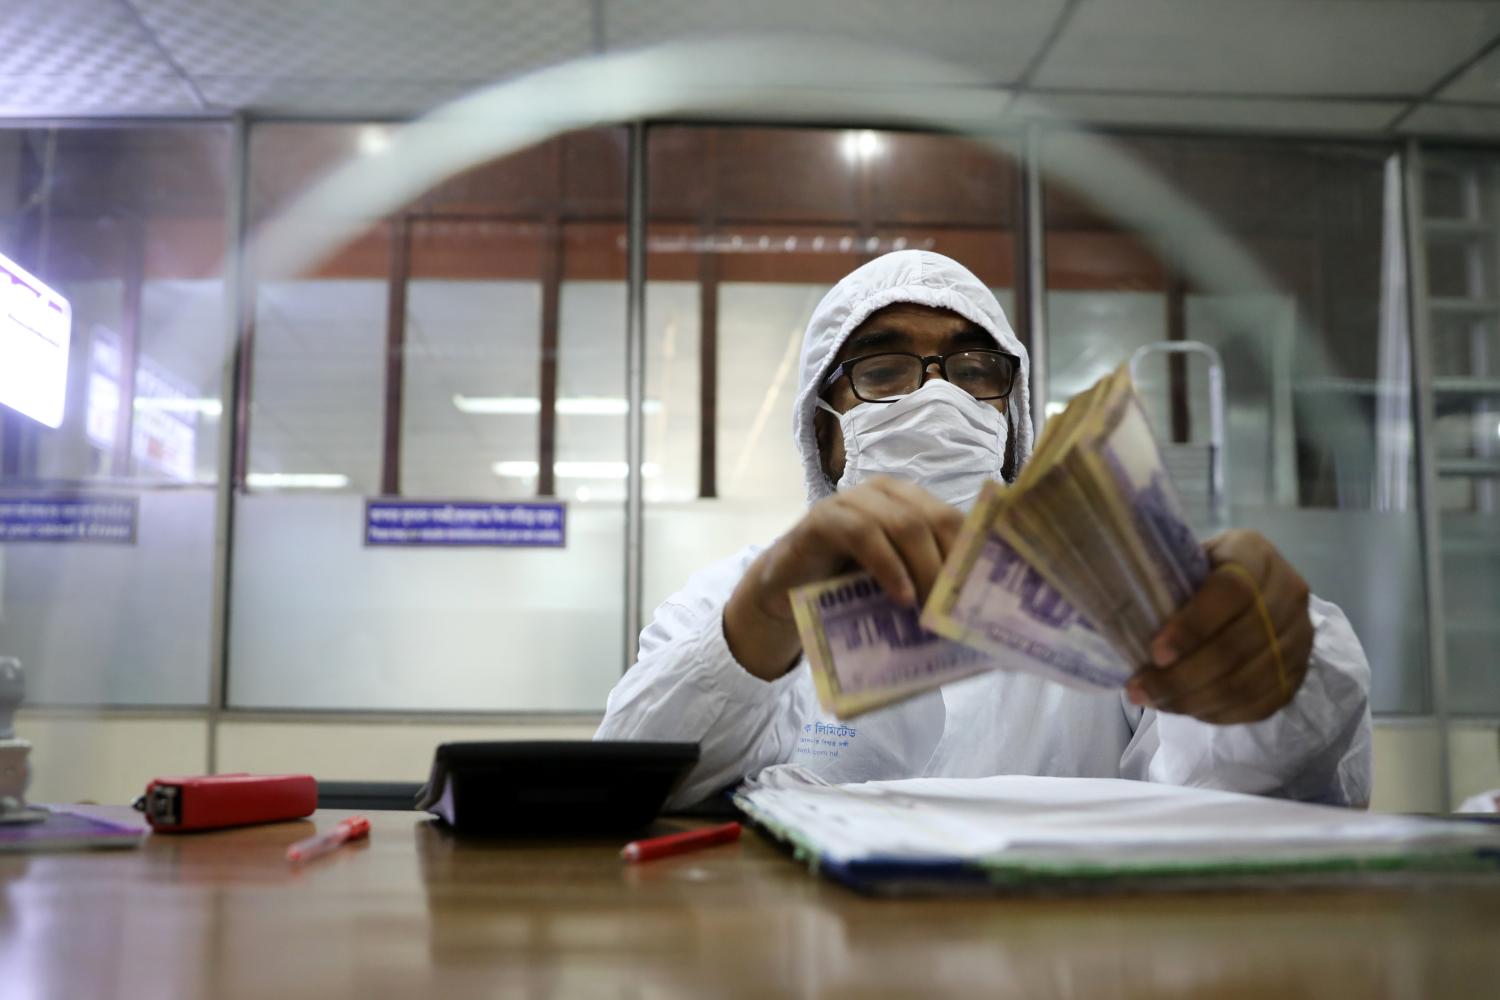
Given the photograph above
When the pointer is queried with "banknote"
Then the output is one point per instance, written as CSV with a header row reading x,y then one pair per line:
x,y
1058,530
1068,573
1149,512
1100,520
865,650
1006,608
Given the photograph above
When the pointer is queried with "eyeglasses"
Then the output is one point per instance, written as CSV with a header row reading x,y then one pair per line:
x,y
882,378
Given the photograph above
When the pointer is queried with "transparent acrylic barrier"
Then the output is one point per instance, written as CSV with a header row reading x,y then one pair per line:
x,y
1369,564
682,538
468,344
1471,599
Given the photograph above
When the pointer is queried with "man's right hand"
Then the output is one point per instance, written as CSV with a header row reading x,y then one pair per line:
x,y
897,532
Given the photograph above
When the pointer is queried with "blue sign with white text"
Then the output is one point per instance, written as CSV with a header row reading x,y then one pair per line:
x,y
465,522
110,520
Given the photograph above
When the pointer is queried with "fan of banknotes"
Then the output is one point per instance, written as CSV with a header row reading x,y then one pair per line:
x,y
1067,573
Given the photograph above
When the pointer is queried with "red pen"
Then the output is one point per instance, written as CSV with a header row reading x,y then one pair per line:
x,y
352,828
680,843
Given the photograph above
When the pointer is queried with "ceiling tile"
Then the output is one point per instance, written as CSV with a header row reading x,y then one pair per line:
x,y
106,96
76,38
369,39
1213,112
68,57
366,99
1267,47
387,57
1453,121
1480,82
995,38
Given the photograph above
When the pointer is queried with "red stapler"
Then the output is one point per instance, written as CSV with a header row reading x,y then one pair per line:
x,y
214,801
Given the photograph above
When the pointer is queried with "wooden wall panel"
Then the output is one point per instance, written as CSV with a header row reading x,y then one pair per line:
x,y
940,180
1082,261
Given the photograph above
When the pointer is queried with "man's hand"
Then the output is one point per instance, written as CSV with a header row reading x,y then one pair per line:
x,y
897,532
1213,659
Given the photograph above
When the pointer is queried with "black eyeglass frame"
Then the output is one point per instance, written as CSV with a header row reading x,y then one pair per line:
x,y
846,368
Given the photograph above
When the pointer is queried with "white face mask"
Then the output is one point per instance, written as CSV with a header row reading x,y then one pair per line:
x,y
939,437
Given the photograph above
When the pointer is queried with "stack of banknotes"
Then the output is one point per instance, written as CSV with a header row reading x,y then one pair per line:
x,y
1067,573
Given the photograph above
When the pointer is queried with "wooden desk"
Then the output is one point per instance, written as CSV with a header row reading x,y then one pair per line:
x,y
413,913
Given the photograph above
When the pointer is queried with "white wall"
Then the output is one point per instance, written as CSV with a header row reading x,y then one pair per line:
x,y
365,751
77,757
110,758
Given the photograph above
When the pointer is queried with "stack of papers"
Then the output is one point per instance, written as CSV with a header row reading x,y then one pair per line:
x,y
925,834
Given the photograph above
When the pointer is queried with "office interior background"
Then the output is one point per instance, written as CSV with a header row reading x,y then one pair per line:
x,y
478,341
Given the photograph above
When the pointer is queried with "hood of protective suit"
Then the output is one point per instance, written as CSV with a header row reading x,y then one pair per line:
x,y
916,276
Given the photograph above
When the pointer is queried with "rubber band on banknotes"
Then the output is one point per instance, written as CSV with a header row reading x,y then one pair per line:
x,y
1265,619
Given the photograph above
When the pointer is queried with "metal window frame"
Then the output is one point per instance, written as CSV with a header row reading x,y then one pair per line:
x,y
635,389
234,394
1424,416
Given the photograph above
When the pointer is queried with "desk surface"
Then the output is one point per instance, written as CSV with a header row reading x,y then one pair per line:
x,y
413,912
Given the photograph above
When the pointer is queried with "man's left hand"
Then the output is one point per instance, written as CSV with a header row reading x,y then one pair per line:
x,y
1213,659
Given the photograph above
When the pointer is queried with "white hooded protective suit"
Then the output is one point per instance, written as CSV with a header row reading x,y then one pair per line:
x,y
686,685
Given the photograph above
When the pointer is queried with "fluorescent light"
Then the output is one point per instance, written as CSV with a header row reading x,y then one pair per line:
x,y
575,470
603,406
570,406
497,404
180,404
297,480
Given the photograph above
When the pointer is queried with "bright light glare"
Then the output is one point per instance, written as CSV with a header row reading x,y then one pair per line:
x,y
297,480
860,145
179,404
576,406
575,470
36,324
373,139
1054,408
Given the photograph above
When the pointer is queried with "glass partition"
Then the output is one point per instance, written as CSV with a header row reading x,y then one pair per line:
x,y
1461,235
469,348
1287,259
748,228
465,353
106,594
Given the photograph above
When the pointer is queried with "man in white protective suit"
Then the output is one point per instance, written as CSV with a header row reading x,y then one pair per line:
x,y
721,663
